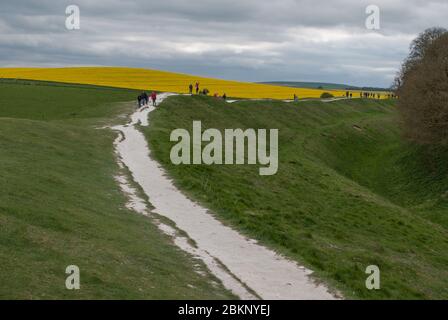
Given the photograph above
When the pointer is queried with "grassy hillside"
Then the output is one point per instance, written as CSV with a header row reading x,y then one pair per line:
x,y
60,204
348,192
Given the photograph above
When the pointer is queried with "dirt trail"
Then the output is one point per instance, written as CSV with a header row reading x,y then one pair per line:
x,y
254,267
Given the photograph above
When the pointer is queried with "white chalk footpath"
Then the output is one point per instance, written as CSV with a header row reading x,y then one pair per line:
x,y
251,271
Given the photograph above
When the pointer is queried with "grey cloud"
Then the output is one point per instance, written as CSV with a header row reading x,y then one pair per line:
x,y
249,40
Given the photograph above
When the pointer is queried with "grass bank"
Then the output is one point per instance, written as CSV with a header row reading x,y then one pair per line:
x,y
60,204
348,193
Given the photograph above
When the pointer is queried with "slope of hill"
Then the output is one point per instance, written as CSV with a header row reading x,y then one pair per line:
x,y
145,79
348,192
312,85
322,85
60,204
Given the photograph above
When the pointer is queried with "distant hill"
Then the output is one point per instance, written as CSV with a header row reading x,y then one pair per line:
x,y
321,85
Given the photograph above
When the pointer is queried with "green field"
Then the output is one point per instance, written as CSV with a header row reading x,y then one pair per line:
x,y
60,204
348,193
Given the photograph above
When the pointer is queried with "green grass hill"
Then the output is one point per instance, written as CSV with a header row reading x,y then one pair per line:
x,y
60,204
349,191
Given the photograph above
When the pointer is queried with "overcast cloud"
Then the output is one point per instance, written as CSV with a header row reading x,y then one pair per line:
x,y
251,40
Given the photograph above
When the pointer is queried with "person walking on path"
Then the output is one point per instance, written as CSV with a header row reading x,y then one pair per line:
x,y
154,98
190,87
140,99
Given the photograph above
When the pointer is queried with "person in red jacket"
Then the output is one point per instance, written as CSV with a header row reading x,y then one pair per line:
x,y
154,98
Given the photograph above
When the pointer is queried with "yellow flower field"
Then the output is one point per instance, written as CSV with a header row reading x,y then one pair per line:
x,y
145,79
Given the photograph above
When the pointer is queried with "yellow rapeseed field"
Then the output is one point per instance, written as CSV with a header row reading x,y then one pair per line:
x,y
145,79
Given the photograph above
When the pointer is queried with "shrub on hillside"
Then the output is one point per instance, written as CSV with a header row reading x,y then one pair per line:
x,y
423,94
326,95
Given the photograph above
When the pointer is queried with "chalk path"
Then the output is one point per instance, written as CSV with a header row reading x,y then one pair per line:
x,y
248,265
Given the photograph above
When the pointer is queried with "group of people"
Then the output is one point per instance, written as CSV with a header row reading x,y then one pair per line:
x,y
391,96
143,99
196,86
204,91
370,95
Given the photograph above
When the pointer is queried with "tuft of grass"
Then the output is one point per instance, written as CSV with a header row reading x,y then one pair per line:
x,y
348,193
60,205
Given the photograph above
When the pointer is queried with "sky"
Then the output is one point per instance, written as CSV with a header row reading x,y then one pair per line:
x,y
248,40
